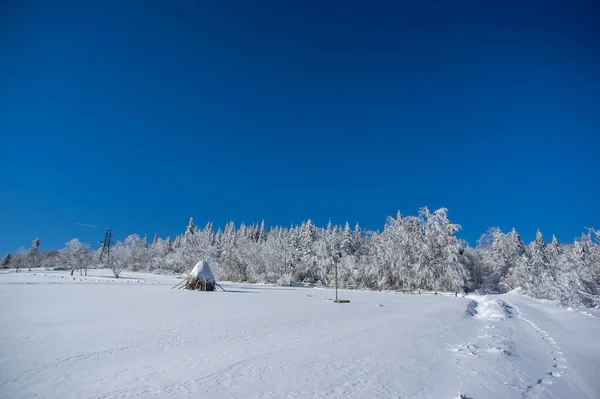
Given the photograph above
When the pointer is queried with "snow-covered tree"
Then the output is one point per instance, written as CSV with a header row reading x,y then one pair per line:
x,y
411,252
347,242
6,260
542,277
74,255
440,264
518,262
209,232
496,257
306,251
20,259
137,258
33,255
119,258
555,248
262,234
191,228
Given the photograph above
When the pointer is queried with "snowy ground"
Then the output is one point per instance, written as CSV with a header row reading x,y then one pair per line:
x,y
98,337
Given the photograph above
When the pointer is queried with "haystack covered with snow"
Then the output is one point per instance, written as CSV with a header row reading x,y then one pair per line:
x,y
201,278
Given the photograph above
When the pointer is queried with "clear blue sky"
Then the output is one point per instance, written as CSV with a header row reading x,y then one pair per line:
x,y
137,115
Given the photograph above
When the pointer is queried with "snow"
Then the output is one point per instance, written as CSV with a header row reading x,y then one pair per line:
x,y
490,308
202,272
101,337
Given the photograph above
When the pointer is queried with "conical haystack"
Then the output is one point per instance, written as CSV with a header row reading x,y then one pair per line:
x,y
201,278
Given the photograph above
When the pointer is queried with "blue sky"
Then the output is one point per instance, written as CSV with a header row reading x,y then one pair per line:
x,y
138,115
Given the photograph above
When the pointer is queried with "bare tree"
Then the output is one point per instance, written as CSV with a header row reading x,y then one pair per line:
x,y
119,258
19,259
33,255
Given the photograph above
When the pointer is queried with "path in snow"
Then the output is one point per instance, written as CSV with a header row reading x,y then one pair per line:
x,y
572,348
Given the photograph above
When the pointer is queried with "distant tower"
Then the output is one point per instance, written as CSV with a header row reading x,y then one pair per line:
x,y
106,246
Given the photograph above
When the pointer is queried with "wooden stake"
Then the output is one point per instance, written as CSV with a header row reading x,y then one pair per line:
x,y
220,287
179,283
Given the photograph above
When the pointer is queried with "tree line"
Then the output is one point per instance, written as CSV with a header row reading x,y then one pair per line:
x,y
411,253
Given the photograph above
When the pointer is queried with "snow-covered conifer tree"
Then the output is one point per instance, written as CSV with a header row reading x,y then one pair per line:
x,y
262,235
209,230
6,260
191,228
555,248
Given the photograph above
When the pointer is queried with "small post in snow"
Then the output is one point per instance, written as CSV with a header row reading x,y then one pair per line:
x,y
336,287
336,284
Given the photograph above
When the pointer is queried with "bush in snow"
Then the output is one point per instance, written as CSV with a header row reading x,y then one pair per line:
x,y
286,280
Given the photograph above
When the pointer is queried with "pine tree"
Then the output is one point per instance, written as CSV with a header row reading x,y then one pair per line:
x,y
209,230
255,233
262,235
177,243
347,244
538,247
219,238
191,228
542,279
357,231
555,248
496,258
230,234
517,265
306,249
519,244
6,260
243,231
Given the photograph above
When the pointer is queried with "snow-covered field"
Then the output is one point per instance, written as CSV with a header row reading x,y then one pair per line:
x,y
97,337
